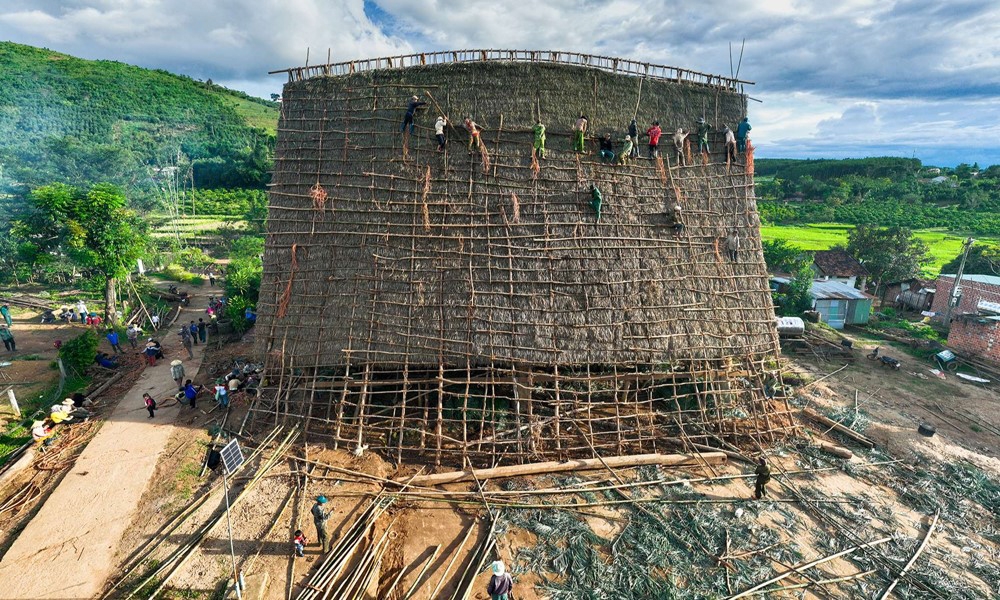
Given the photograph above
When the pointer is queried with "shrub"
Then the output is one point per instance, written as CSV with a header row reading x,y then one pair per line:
x,y
178,273
193,258
78,353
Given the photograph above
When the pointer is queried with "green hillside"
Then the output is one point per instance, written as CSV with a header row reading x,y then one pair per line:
x,y
79,121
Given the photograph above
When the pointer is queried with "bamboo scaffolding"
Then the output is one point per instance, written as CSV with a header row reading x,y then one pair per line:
x,y
456,308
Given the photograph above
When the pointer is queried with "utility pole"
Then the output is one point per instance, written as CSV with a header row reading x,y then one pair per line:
x,y
955,287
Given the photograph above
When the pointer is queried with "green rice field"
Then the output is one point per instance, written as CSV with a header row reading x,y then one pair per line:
x,y
943,245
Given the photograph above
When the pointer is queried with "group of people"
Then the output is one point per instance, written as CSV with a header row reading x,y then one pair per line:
x,y
70,411
610,150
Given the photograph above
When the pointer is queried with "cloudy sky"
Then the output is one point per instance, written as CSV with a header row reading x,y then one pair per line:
x,y
848,78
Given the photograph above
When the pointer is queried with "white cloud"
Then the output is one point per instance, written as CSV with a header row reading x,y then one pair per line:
x,y
843,76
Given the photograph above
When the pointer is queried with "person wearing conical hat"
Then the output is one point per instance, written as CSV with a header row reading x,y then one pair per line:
x,y
177,373
501,583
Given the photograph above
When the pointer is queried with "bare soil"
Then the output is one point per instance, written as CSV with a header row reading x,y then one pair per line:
x,y
866,498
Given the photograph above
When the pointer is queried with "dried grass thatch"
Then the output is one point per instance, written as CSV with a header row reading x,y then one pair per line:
x,y
451,282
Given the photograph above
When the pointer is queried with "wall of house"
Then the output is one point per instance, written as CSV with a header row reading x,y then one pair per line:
x,y
978,339
972,293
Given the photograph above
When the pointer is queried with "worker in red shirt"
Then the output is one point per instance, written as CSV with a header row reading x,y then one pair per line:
x,y
654,139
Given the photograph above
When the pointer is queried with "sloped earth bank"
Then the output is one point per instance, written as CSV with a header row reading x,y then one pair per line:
x,y
699,539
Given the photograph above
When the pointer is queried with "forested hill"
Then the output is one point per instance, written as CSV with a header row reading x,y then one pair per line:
x,y
64,119
882,191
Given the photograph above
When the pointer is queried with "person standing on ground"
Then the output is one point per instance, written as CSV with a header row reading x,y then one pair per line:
x,y
763,473
186,341
299,543
177,373
202,331
538,146
81,309
411,110
132,333
221,393
654,133
193,328
733,245
191,393
321,515
154,321
8,337
5,311
742,130
633,132
113,340
501,583
579,133
150,405
439,132
211,277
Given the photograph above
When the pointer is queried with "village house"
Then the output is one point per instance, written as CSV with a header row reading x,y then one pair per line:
x,y
975,289
838,265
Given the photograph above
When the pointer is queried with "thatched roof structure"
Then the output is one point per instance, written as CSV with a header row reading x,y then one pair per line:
x,y
383,254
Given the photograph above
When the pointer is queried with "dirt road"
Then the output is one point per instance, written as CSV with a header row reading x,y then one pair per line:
x,y
67,549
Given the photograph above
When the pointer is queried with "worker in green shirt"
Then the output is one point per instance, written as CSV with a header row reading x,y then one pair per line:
x,y
539,146
596,200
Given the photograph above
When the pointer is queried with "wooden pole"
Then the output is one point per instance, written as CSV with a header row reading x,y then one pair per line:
x,y
589,464
916,554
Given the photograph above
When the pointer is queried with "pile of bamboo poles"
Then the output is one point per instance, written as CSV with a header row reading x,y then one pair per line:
x,y
330,579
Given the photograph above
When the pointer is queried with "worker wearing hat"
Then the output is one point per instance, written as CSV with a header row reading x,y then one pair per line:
x,y
177,373
411,110
501,583
703,129
321,514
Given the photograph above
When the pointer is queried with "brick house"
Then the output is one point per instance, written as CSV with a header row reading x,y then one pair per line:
x,y
976,289
976,335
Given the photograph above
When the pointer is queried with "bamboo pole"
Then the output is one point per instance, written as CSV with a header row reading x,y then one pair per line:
x,y
799,568
667,460
913,559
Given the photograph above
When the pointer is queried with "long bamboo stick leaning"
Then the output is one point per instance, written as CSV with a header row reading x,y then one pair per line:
x,y
799,568
913,559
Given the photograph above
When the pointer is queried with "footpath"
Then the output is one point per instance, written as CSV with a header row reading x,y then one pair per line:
x,y
67,550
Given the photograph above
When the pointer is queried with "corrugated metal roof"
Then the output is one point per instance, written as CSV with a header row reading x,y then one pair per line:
x,y
987,279
834,290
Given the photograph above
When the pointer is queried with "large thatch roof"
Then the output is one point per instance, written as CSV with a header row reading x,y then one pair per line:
x,y
380,255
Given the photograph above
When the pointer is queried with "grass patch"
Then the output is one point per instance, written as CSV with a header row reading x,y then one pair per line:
x,y
943,245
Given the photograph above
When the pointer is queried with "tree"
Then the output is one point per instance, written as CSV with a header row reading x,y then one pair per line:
x,y
983,260
780,256
889,254
92,227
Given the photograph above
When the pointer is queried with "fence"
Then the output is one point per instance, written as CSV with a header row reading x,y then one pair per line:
x,y
610,64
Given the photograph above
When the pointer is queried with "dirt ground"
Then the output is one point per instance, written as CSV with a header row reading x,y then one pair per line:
x,y
730,539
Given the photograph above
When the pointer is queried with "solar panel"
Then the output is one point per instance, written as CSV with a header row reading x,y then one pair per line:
x,y
232,457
